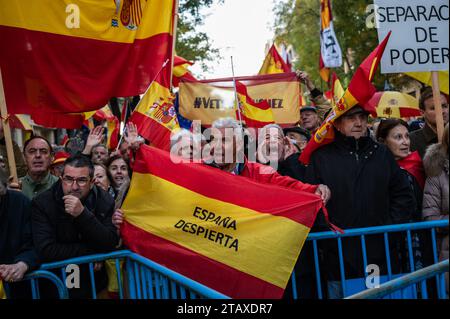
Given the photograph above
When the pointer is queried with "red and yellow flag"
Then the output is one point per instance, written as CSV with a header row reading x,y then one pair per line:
x,y
274,63
113,129
181,71
73,56
209,100
236,241
360,90
255,114
155,116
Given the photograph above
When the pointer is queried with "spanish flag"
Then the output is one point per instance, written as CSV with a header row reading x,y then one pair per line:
x,y
255,114
155,115
274,63
181,71
73,56
360,90
237,240
113,128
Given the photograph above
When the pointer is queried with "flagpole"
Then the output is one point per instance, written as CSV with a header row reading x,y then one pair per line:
x,y
235,92
174,42
437,105
154,79
7,133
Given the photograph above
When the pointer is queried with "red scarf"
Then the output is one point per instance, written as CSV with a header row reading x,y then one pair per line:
x,y
414,166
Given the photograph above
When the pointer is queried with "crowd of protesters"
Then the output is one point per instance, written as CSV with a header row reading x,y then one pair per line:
x,y
67,202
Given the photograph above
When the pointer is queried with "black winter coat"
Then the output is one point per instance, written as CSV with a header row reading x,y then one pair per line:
x,y
58,236
16,241
368,189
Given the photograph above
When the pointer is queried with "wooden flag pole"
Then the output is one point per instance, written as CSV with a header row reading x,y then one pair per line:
x,y
7,133
174,42
437,105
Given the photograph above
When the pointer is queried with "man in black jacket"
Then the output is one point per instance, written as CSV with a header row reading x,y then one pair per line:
x,y
276,149
74,218
17,255
368,189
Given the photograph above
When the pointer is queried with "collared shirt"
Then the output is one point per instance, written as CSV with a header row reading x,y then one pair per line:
x,y
31,189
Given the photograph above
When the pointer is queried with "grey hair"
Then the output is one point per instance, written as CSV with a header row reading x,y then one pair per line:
x,y
268,127
226,122
99,145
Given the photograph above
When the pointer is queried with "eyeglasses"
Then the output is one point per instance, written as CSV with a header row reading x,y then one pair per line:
x,y
82,181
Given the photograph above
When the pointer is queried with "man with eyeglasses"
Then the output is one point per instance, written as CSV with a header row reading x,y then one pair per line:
x,y
38,154
74,218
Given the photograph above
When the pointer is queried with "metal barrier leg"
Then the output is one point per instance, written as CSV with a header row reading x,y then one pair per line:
x,y
119,278
131,279
341,267
294,285
317,267
388,260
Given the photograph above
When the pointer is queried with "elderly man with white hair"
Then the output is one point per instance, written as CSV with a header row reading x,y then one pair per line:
x,y
227,149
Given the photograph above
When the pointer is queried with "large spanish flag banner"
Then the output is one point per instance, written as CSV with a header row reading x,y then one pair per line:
x,y
236,240
72,56
209,100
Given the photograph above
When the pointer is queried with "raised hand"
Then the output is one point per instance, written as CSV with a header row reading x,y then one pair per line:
x,y
132,136
95,137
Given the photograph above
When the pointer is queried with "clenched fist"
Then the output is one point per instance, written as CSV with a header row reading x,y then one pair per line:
x,y
73,205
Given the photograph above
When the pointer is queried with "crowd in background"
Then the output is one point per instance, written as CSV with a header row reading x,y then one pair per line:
x,y
376,172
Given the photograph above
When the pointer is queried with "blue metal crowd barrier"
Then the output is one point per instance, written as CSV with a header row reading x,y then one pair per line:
x,y
144,278
403,282
385,231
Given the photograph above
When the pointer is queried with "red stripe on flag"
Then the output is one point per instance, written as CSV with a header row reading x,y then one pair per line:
x,y
41,78
158,163
198,267
409,112
242,90
58,120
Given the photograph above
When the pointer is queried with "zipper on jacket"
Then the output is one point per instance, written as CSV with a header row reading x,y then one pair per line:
x,y
356,152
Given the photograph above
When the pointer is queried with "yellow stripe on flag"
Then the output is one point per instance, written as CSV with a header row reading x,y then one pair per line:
x,y
255,113
167,204
95,18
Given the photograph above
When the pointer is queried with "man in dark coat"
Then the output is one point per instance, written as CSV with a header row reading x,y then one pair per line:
x,y
17,255
275,149
74,218
421,139
368,189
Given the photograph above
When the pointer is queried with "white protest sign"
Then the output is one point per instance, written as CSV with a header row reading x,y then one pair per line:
x,y
419,40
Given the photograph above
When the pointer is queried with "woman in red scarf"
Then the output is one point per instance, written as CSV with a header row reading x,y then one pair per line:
x,y
394,133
